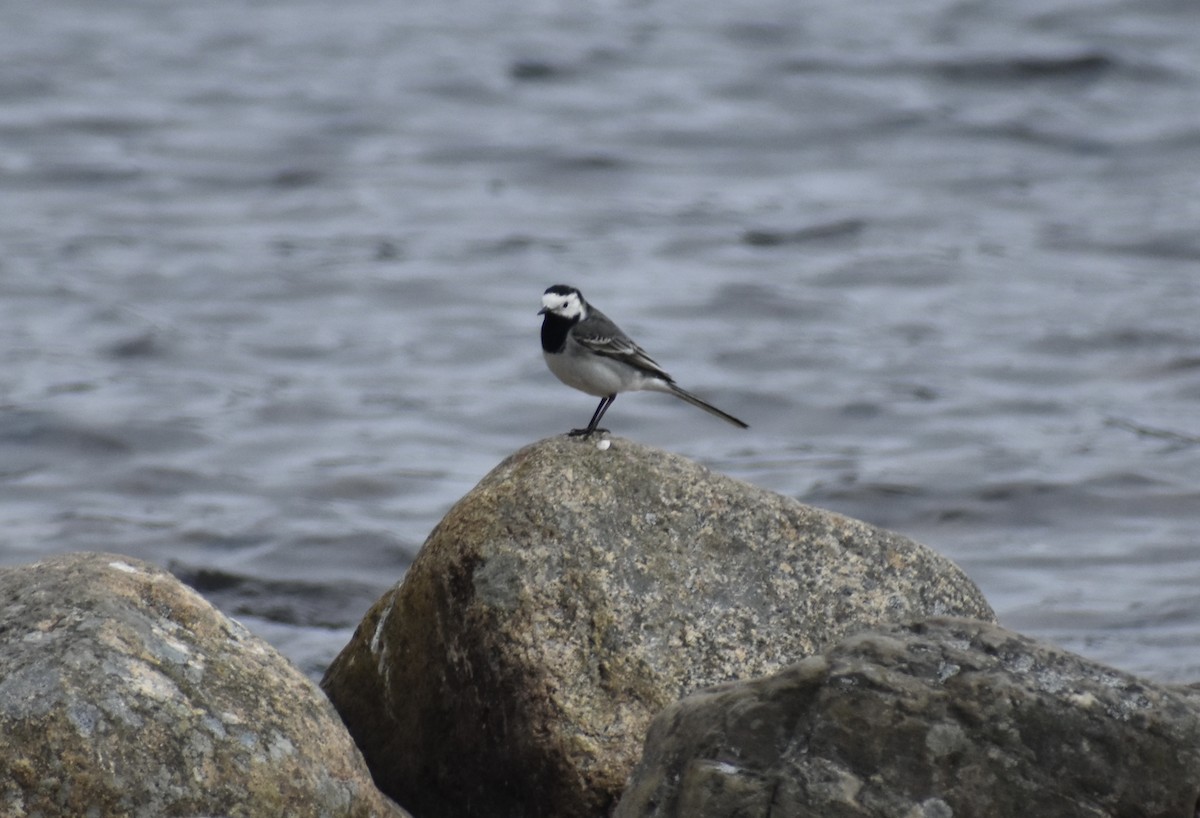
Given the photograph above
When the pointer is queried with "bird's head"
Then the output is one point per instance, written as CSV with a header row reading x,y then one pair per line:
x,y
564,302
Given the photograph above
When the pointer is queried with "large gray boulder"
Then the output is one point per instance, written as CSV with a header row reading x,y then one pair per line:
x,y
578,590
123,693
944,719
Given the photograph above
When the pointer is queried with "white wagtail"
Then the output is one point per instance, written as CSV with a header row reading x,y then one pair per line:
x,y
586,350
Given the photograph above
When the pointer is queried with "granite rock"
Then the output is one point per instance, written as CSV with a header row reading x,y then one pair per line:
x,y
942,719
124,693
578,590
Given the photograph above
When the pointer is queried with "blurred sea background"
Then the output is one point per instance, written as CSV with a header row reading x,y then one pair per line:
x,y
269,274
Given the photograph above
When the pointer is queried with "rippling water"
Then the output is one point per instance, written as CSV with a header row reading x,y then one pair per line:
x,y
268,276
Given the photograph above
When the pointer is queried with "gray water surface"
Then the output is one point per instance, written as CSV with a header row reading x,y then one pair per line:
x,y
269,275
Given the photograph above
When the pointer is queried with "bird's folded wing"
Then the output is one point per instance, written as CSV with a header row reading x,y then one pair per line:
x,y
622,348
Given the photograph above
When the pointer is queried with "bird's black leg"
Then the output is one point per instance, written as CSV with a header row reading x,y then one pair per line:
x,y
600,410
605,402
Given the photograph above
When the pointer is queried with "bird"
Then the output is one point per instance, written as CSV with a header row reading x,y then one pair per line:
x,y
587,351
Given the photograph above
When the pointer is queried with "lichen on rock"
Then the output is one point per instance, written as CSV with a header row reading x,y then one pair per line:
x,y
574,593
947,717
124,693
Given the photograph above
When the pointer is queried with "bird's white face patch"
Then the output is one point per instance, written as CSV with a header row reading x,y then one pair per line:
x,y
567,306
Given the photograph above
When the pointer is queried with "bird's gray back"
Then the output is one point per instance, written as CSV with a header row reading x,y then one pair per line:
x,y
600,334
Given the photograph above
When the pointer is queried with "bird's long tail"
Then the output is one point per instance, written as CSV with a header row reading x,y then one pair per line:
x,y
683,394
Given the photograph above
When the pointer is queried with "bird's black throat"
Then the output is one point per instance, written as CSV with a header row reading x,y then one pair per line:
x,y
554,332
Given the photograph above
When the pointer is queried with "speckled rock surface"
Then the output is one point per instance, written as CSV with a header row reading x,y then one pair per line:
x,y
123,693
577,591
944,719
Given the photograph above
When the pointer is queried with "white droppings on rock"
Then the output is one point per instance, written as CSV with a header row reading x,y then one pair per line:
x,y
1084,699
723,767
935,808
947,670
124,567
377,636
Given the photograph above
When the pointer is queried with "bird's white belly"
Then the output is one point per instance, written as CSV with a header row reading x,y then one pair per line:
x,y
593,374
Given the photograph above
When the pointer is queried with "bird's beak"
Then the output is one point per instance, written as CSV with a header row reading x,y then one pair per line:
x,y
542,311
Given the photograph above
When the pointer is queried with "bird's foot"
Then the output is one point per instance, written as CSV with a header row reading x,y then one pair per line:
x,y
586,432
